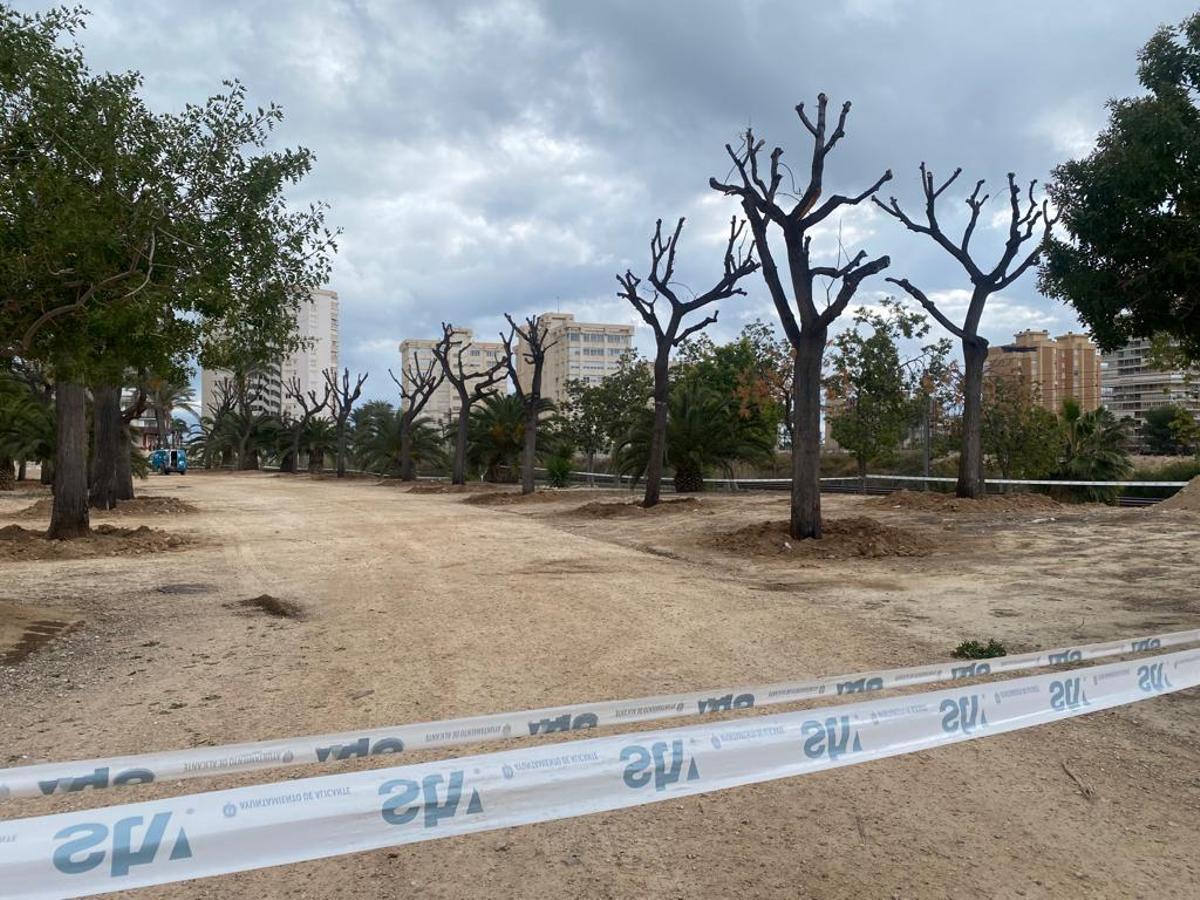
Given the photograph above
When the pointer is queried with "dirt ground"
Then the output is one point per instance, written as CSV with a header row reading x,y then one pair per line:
x,y
414,606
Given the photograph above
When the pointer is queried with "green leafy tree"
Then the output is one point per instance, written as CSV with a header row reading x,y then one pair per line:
x,y
1131,208
1020,437
1186,431
1168,430
596,416
133,240
705,433
872,392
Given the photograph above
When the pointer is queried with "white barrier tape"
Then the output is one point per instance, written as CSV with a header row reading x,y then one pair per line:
x,y
200,835
66,777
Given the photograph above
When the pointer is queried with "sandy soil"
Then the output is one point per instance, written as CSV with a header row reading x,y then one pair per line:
x,y
415,606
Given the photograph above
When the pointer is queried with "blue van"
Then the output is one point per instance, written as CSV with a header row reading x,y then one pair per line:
x,y
168,461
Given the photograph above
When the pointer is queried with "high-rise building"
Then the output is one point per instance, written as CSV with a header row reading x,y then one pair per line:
x,y
582,351
317,324
477,356
1132,386
1054,369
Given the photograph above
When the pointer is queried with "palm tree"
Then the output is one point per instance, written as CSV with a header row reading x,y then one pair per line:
x,y
318,437
164,396
496,436
704,433
26,429
377,440
1093,449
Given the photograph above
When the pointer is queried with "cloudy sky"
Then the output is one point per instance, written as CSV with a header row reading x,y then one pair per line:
x,y
513,155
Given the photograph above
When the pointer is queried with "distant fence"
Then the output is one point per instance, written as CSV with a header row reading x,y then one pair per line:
x,y
1133,493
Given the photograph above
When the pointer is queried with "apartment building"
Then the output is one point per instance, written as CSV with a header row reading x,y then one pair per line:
x,y
1131,385
584,351
477,356
1054,369
317,322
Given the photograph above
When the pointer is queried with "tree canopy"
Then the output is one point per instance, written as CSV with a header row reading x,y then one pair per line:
x,y
1130,264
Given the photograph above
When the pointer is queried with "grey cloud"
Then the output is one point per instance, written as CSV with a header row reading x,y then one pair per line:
x,y
485,157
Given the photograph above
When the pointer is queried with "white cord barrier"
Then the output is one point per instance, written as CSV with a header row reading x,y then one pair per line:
x,y
200,835
66,777
1026,481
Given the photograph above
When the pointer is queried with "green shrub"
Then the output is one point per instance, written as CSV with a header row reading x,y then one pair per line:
x,y
978,650
558,471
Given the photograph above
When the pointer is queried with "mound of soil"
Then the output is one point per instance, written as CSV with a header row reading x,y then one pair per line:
x,y
442,487
271,606
1187,498
853,538
20,544
139,506
607,509
934,501
504,498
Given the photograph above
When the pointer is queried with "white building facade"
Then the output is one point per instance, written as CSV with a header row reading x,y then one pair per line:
x,y
579,351
317,324
477,356
1130,386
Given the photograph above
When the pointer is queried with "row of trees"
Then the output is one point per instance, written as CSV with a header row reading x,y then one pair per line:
x,y
134,241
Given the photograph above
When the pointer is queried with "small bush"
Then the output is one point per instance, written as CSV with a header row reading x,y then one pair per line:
x,y
558,471
979,650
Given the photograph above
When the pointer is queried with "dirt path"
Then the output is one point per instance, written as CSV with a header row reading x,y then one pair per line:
x,y
422,606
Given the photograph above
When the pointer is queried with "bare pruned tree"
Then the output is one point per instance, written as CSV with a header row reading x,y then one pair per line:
x,y
1028,221
758,186
310,408
532,348
417,384
668,328
470,386
341,404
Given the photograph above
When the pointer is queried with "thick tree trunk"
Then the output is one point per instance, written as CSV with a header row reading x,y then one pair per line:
x,y
47,472
341,450
7,481
160,422
124,462
970,461
21,469
106,446
459,473
69,517
862,475
529,452
316,461
295,451
806,441
658,436
591,464
408,471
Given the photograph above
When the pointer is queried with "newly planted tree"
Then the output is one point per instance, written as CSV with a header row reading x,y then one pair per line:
x,y
1029,224
471,384
417,384
806,324
342,399
667,324
532,347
